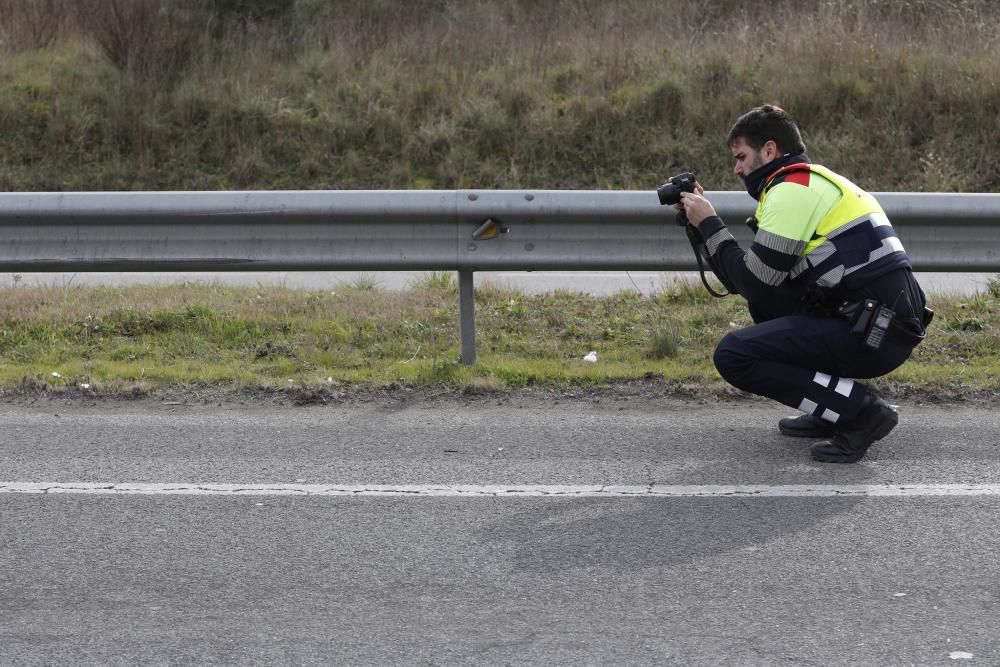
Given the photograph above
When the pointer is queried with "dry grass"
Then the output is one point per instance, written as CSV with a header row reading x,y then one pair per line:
x,y
32,24
441,93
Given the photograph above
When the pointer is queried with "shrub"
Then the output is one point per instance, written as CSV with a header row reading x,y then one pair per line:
x,y
31,24
252,10
148,40
993,286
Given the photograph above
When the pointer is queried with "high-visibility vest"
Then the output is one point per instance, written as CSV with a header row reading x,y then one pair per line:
x,y
854,234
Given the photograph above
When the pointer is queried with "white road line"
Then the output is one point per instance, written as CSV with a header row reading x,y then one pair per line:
x,y
508,491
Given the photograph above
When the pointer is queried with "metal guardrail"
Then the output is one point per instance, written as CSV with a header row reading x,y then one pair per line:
x,y
390,230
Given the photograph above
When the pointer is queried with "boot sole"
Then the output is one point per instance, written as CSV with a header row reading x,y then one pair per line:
x,y
883,430
804,433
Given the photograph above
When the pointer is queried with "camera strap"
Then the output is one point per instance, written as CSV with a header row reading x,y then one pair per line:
x,y
702,256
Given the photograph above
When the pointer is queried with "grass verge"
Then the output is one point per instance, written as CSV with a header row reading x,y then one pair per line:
x,y
144,339
588,94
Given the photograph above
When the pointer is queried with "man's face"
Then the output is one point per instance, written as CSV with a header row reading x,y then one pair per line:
x,y
749,159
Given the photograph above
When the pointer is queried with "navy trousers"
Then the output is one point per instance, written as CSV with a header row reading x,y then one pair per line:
x,y
805,362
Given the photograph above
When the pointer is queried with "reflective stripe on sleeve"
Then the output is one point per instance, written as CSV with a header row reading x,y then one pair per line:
x,y
762,271
779,243
717,239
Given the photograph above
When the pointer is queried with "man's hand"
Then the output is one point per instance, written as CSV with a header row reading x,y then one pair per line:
x,y
695,206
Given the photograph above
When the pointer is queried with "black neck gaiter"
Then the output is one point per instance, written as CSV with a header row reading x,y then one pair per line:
x,y
755,180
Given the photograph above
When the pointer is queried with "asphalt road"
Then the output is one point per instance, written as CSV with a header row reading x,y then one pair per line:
x,y
420,579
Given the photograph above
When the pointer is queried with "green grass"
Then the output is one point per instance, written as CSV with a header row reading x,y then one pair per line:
x,y
130,340
504,94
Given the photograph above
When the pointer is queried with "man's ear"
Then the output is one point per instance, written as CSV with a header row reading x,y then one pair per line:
x,y
771,150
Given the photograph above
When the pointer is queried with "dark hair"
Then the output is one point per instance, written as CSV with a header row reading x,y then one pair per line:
x,y
767,123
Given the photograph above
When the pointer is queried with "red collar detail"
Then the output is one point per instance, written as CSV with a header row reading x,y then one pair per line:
x,y
793,173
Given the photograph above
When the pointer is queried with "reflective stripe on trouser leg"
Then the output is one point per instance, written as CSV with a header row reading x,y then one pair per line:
x,y
820,394
829,404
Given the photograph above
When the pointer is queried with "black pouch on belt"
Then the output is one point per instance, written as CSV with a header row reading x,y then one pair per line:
x,y
873,323
858,314
869,320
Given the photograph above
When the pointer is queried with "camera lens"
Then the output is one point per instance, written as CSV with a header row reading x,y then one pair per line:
x,y
669,194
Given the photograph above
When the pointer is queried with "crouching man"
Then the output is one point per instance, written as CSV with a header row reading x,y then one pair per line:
x,y
827,282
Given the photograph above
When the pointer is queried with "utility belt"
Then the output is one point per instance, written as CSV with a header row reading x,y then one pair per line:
x,y
875,323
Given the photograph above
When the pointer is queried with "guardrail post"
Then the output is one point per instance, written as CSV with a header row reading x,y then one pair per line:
x,y
467,316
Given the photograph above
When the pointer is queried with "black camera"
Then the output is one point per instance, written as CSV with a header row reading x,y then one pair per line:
x,y
670,192
670,195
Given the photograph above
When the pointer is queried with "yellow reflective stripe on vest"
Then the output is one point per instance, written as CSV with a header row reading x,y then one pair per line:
x,y
855,207
854,203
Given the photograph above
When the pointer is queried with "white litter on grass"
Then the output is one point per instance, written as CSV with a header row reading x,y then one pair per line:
x,y
84,385
591,357
899,595
56,375
960,655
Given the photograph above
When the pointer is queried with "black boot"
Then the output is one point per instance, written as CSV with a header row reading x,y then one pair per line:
x,y
805,426
852,440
